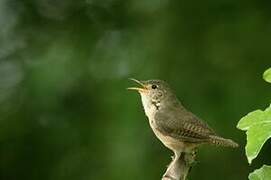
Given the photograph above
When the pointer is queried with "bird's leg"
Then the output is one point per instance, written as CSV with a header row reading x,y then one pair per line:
x,y
190,158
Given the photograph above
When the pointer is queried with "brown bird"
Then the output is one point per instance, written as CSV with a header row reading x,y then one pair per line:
x,y
176,127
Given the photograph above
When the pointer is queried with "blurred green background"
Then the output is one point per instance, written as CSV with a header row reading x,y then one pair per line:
x,y
65,112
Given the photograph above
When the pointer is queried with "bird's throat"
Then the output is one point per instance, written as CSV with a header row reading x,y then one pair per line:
x,y
149,107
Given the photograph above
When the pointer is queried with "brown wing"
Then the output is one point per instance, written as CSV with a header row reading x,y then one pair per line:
x,y
179,123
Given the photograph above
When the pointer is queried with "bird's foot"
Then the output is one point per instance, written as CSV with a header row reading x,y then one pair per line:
x,y
190,158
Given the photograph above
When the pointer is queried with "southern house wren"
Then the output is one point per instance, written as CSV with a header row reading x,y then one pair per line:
x,y
177,128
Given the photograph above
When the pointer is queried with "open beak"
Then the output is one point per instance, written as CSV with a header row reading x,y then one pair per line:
x,y
139,89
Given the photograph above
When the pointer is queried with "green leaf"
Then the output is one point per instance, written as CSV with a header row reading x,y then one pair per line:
x,y
264,173
257,125
267,75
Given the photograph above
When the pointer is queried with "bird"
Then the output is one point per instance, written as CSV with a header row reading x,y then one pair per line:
x,y
175,126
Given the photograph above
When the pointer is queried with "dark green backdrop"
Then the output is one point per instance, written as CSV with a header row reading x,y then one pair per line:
x,y
65,112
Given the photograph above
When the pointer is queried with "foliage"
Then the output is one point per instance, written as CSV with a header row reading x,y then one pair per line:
x,y
267,75
257,125
264,173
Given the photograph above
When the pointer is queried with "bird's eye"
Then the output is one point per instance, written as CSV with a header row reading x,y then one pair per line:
x,y
154,86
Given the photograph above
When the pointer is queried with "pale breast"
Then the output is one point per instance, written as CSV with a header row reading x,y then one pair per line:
x,y
168,141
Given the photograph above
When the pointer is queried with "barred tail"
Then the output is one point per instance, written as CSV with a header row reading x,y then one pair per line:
x,y
219,141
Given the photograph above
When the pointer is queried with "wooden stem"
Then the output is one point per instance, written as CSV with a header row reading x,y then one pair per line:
x,y
180,166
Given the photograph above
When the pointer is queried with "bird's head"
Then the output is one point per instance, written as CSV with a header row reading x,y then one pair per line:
x,y
153,92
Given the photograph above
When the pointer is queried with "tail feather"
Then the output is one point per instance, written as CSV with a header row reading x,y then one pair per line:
x,y
219,141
